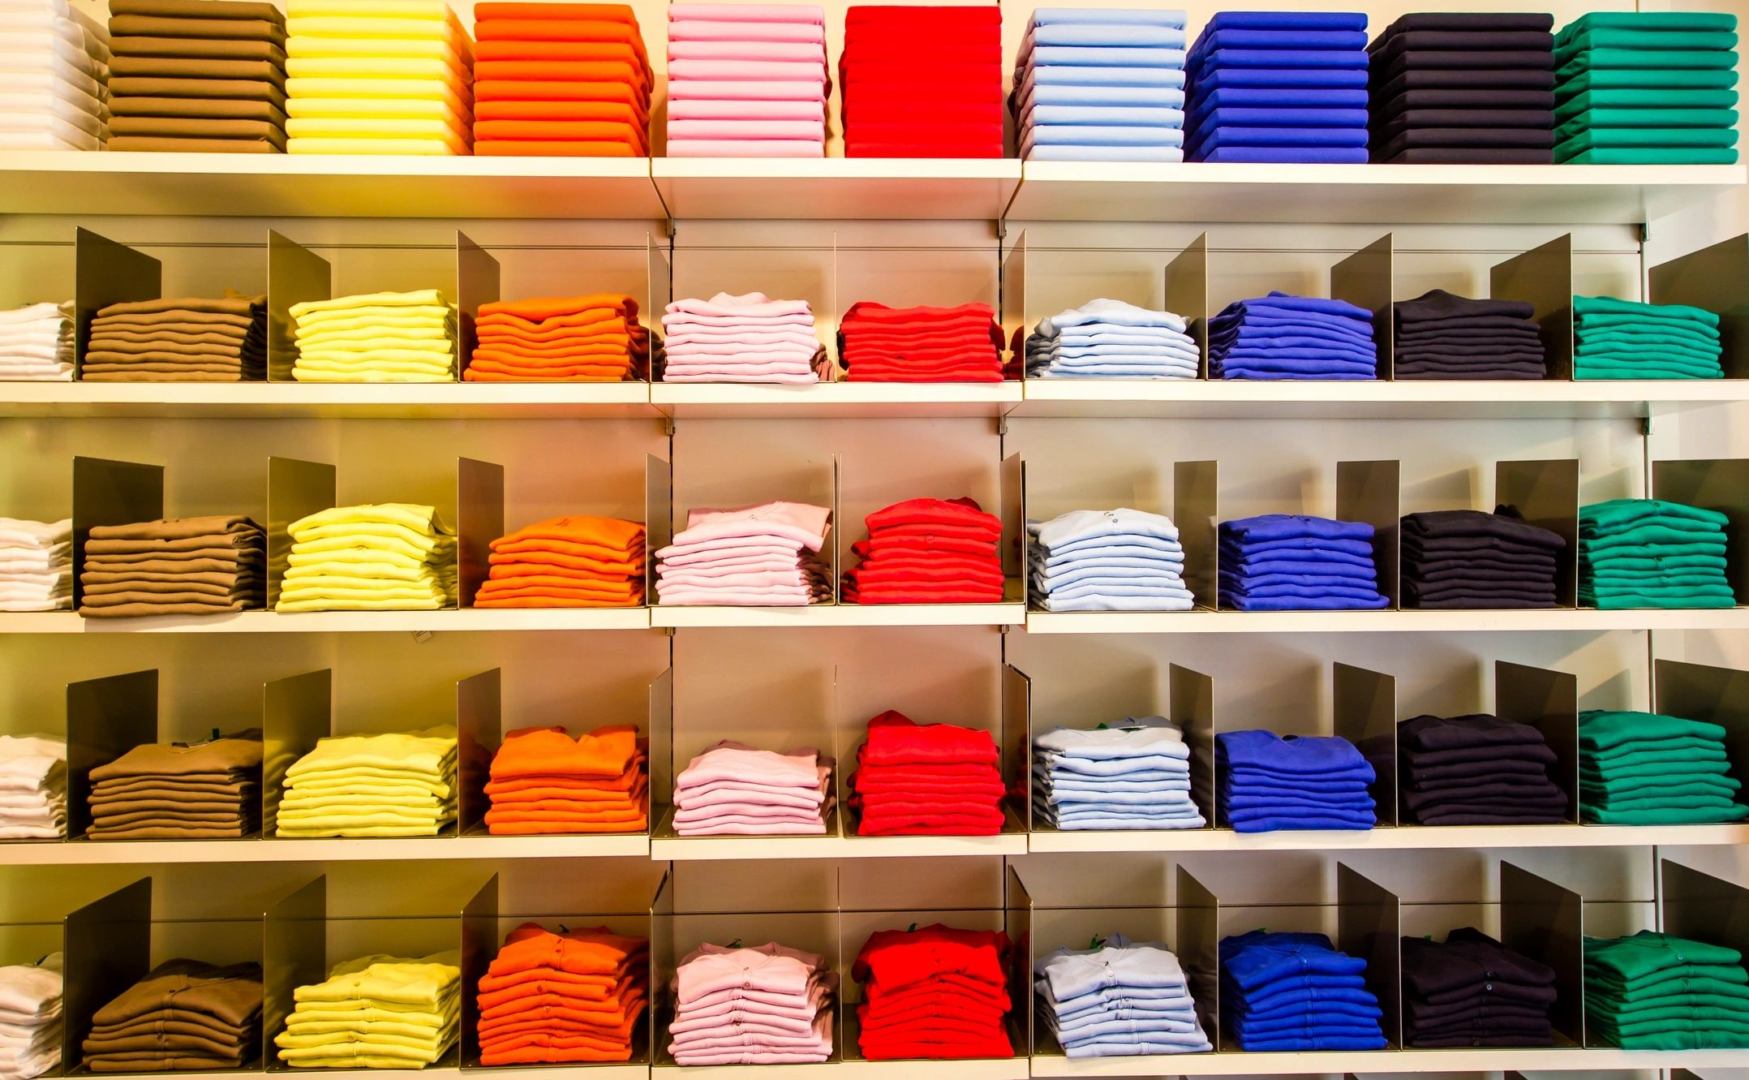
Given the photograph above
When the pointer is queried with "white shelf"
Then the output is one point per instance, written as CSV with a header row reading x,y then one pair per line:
x,y
1491,1060
823,615
813,188
1364,194
298,185
451,401
1220,399
1380,622
342,849
1461,837
1016,1068
471,620
842,399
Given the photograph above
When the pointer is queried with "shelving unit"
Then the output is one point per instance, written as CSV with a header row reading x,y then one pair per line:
x,y
349,849
470,620
1552,1059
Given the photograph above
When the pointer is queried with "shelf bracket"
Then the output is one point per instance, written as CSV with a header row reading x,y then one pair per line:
x,y
1645,232
1001,228
1646,425
669,227
668,426
1002,424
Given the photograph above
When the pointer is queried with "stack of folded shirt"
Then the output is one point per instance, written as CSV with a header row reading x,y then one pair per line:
x,y
1621,339
1295,992
1654,991
575,996
1118,998
928,551
753,556
375,337
560,339
1114,340
374,557
54,75
1476,770
1110,560
1300,782
30,1018
733,789
33,790
1442,336
337,1023
1648,553
1640,768
36,341
36,565
568,562
1291,562
1641,88
1292,337
926,780
1471,559
560,80
1280,50
922,344
182,340
936,992
544,782
769,1005
1127,70
185,1014
180,791
197,77
922,82
184,566
747,80
1469,88
1470,990
388,77
747,339
401,784
1134,774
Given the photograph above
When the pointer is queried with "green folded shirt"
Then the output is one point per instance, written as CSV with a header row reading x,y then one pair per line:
x,y
1644,99
1608,38
1683,324
1602,730
1610,305
1646,79
1639,601
1612,368
1655,770
1642,21
1640,138
1683,155
1703,549
1641,59
1646,118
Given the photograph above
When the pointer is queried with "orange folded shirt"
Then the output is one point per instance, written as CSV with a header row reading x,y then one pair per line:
x,y
535,561
586,71
491,10
579,549
560,90
601,130
546,310
584,951
603,753
625,781
582,596
558,349
515,574
624,52
490,370
621,111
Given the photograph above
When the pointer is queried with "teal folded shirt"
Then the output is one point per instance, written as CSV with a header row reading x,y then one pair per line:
x,y
1634,99
1642,21
1646,79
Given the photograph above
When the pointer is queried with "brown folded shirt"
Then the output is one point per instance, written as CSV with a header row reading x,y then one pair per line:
x,y
150,785
198,48
107,1046
145,609
109,604
172,67
148,144
233,89
110,348
206,561
166,375
215,108
198,9
92,592
173,320
229,994
189,528
123,26
196,127
92,579
204,1027
233,304
232,336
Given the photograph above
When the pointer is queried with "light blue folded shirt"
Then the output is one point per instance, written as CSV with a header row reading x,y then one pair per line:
x,y
1146,1027
1079,75
1166,59
1107,115
1133,736
1151,549
1065,532
1116,602
1107,135
1071,152
1129,97
1120,16
1103,332
1170,572
1114,371
1105,34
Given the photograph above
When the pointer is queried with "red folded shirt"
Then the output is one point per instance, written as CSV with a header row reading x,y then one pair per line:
x,y
963,16
896,739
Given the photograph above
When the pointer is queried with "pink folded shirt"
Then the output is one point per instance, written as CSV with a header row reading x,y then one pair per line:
x,y
739,763
688,29
713,109
773,375
773,968
737,555
715,795
807,52
744,129
752,305
745,148
754,13
746,90
711,579
695,597
818,1041
726,551
733,344
799,521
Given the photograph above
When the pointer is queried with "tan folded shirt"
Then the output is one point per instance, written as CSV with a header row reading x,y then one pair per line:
x,y
152,784
205,561
123,26
172,67
146,609
103,605
199,48
196,127
234,304
196,1024
161,86
174,319
90,579
167,375
217,108
231,994
198,9
221,527
231,336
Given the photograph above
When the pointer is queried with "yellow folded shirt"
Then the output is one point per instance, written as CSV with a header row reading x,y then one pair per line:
x,y
378,147
355,23
421,751
418,89
423,48
295,1039
386,127
372,9
418,298
422,536
410,108
306,375
365,316
374,67
374,546
368,560
386,362
430,333
377,568
359,589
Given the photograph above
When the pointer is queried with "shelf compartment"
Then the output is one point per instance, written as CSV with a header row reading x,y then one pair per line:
x,y
1363,194
818,188
298,186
